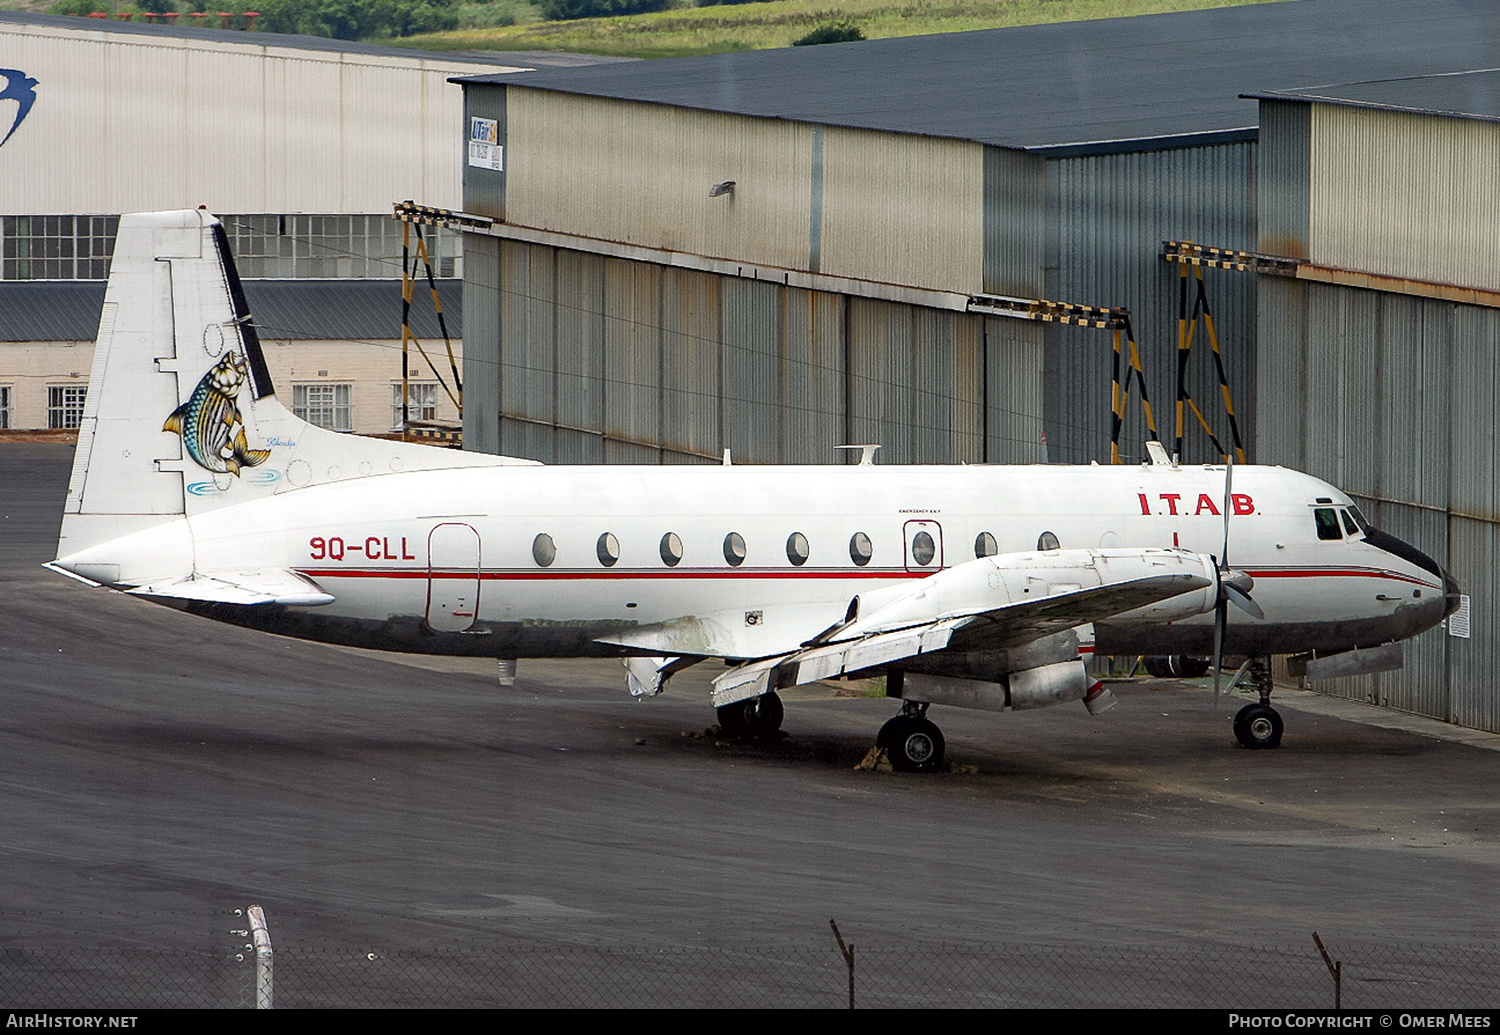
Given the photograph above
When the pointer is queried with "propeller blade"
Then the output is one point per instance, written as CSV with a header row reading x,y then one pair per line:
x,y
1228,503
1242,599
1220,616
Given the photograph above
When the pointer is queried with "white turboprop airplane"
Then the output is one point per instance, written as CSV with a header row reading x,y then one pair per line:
x,y
974,586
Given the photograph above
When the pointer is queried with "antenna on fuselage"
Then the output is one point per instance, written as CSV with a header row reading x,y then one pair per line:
x,y
866,452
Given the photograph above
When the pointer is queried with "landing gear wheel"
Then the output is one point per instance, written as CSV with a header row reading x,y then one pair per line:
x,y
1258,726
1177,666
914,745
755,717
1185,667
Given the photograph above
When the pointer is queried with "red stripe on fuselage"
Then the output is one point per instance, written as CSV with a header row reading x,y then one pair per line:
x,y
531,576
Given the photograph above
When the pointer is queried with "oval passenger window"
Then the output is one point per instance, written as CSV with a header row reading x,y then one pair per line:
x,y
860,549
734,549
671,549
543,550
608,549
923,550
796,548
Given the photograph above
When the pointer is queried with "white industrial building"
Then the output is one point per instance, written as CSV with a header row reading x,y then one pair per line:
x,y
300,145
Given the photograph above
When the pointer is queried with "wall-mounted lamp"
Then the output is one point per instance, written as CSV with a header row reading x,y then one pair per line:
x,y
720,189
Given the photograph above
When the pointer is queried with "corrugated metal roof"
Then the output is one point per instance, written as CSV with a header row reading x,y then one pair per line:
x,y
1114,85
297,310
1470,95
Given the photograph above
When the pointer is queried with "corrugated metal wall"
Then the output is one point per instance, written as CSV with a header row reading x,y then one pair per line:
x,y
597,359
1426,210
850,203
140,122
641,173
1390,398
1107,218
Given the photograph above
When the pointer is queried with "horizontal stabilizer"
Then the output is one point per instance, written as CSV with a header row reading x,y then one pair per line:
x,y
261,586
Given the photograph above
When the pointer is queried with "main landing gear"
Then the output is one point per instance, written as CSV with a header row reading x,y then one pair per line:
x,y
1259,725
754,717
912,742
1177,666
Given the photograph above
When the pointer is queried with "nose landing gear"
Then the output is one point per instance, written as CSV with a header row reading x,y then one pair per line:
x,y
1259,725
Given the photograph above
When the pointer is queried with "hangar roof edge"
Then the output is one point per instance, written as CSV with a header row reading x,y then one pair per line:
x,y
1471,94
1086,87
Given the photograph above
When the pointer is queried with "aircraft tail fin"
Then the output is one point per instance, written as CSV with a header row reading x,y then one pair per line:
x,y
181,416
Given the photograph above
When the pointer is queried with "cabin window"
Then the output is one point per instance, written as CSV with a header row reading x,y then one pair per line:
x,y
1327,521
734,549
861,549
796,548
923,549
543,550
671,549
608,549
1047,541
985,545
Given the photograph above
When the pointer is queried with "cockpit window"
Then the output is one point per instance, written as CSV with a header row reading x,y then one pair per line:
x,y
1359,519
1349,526
1327,520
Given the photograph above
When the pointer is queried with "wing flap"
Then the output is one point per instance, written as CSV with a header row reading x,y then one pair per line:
x,y
257,586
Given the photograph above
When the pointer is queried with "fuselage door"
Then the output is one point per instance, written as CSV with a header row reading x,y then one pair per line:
x,y
924,546
452,577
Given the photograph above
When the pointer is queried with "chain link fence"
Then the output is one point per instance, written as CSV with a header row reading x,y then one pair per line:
x,y
1379,976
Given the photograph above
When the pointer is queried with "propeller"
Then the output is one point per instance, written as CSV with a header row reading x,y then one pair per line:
x,y
1232,585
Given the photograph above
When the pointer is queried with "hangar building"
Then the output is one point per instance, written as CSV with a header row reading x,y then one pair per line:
x,y
1384,344
784,251
300,145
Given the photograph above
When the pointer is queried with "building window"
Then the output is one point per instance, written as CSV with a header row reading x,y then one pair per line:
x,y
4,406
56,247
65,405
421,401
326,405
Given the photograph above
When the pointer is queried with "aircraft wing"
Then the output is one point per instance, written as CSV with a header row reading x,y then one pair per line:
x,y
989,604
256,586
1006,627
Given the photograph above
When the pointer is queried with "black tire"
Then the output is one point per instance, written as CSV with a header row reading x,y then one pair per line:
x,y
1159,667
755,717
1258,726
1184,667
913,745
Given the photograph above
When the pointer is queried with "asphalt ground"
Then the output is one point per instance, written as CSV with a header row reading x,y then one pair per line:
x,y
158,771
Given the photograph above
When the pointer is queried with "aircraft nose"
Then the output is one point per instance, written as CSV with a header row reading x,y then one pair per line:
x,y
1453,595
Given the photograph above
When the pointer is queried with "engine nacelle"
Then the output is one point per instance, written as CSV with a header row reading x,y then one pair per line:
x,y
1035,687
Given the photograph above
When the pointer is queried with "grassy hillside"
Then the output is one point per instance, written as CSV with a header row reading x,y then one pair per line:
x,y
776,23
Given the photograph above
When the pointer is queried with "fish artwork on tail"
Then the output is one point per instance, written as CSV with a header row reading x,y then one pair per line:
x,y
210,423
